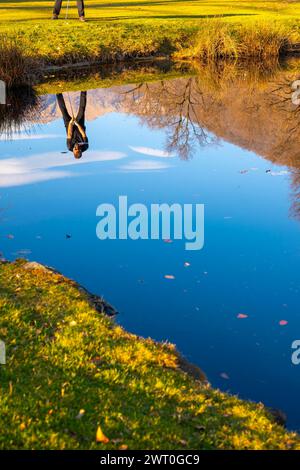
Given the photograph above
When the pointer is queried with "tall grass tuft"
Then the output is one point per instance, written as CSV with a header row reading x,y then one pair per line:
x,y
262,40
15,67
217,40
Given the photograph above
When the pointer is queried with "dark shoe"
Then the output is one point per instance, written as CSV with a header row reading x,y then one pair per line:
x,y
55,17
82,18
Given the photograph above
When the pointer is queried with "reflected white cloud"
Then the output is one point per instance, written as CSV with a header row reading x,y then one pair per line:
x,y
7,181
38,168
152,152
144,165
22,136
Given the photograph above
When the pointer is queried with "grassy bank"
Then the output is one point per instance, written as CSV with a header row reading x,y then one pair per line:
x,y
114,75
122,30
72,371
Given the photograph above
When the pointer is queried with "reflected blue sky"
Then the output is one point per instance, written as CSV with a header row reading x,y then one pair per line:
x,y
249,263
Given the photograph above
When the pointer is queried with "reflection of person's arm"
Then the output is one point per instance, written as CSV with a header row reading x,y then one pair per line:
x,y
81,130
70,129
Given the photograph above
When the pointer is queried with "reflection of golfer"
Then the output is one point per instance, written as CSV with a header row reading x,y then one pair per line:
x,y
77,140
57,8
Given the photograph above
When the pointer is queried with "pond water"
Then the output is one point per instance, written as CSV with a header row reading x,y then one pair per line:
x,y
225,140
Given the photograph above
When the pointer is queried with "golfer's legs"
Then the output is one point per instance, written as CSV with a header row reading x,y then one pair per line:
x,y
57,7
82,107
63,109
80,6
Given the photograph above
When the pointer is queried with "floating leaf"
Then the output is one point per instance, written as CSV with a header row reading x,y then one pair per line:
x,y
224,376
242,315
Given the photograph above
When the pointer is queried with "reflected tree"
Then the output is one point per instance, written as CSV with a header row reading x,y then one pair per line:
x,y
171,105
250,107
22,106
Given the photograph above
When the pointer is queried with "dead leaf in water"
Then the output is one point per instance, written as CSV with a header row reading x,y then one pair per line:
x,y
224,376
242,315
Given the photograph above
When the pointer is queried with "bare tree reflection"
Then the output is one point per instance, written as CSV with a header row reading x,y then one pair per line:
x,y
249,106
22,106
171,105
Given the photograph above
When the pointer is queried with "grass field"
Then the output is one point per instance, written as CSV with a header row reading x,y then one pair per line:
x,y
73,379
122,30
31,12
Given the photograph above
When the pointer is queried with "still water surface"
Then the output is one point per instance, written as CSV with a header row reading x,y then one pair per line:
x,y
228,145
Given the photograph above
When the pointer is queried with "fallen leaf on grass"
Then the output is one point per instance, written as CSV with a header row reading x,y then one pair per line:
x,y
80,414
200,428
183,442
100,436
118,440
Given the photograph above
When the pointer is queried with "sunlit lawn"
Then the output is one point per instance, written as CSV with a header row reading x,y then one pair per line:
x,y
152,10
70,370
132,28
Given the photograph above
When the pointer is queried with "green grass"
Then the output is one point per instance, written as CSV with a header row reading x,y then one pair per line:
x,y
122,29
71,369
